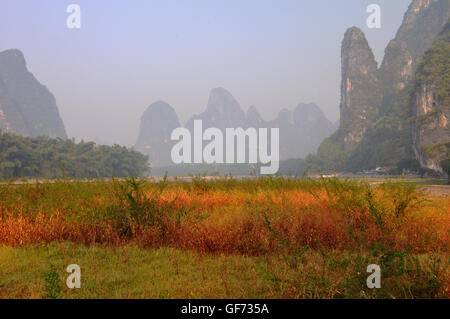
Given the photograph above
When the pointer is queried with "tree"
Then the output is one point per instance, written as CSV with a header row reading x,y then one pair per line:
x,y
54,158
446,167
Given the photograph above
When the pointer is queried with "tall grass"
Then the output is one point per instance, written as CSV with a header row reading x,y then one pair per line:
x,y
340,224
226,215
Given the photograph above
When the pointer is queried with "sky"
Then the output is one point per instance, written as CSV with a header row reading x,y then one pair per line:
x,y
271,54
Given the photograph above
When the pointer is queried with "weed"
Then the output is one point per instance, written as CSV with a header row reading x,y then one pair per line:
x,y
52,284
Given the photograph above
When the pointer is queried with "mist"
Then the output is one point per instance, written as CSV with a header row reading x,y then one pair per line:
x,y
268,54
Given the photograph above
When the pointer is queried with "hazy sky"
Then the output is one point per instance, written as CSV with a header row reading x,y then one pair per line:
x,y
272,54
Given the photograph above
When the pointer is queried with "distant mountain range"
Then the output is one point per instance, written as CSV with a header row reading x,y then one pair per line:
x,y
397,114
28,108
301,130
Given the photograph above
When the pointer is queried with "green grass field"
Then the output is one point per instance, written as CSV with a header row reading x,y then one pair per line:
x,y
130,272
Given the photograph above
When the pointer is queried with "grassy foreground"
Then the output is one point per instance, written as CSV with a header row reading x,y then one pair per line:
x,y
130,272
265,238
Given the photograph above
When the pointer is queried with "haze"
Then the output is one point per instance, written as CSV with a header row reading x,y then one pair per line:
x,y
128,54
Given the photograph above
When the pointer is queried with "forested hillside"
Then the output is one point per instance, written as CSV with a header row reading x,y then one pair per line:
x,y
53,158
431,105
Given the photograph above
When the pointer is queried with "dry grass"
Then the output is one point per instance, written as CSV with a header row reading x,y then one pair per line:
x,y
260,218
227,217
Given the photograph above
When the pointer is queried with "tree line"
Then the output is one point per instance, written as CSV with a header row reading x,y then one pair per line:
x,y
45,157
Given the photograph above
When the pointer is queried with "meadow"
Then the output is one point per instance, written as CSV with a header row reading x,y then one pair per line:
x,y
223,238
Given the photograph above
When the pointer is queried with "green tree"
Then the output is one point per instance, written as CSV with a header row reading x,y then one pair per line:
x,y
446,167
54,158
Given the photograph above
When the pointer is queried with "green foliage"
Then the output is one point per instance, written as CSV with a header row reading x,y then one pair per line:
x,y
330,157
56,158
52,284
131,272
406,164
446,167
138,205
390,137
435,67
396,267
